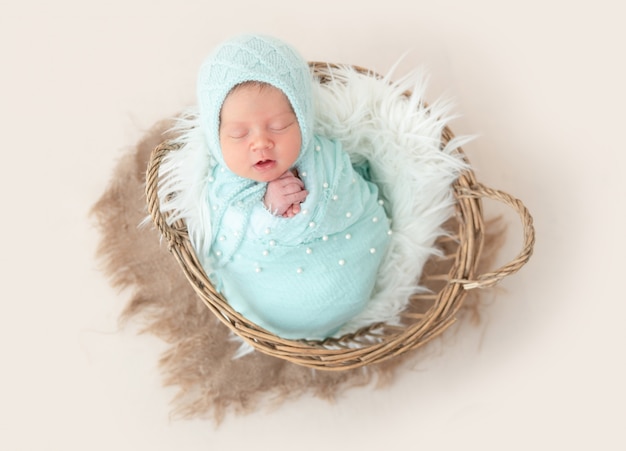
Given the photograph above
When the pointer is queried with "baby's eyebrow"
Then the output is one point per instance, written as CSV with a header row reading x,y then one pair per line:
x,y
285,113
233,123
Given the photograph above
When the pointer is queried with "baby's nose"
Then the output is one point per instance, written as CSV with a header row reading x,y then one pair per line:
x,y
261,141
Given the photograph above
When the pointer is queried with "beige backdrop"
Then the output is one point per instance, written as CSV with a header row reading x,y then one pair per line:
x,y
539,82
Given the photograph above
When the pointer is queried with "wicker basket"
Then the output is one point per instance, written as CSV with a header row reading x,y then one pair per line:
x,y
426,316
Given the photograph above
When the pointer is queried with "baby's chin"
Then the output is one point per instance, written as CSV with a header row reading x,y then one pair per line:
x,y
267,171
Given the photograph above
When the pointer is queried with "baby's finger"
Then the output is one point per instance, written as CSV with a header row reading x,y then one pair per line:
x,y
292,182
292,210
290,190
298,197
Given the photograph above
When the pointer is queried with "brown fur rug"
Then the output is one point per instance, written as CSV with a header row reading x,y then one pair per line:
x,y
199,358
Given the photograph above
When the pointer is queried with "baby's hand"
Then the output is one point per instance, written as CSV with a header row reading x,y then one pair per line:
x,y
284,195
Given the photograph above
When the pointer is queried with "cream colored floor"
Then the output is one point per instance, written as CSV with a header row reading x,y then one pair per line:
x,y
540,82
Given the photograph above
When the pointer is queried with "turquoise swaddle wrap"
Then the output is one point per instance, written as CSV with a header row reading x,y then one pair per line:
x,y
306,276
298,277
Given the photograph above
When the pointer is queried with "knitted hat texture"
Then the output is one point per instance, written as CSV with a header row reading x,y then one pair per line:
x,y
253,58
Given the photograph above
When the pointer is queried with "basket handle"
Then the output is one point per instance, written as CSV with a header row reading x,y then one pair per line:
x,y
492,278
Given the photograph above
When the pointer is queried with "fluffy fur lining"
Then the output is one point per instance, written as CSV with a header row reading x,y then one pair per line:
x,y
400,136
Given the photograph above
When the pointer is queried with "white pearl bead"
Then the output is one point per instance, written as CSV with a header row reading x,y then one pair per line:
x,y
311,224
375,219
299,270
268,231
381,202
348,236
348,215
266,252
389,232
303,174
258,269
325,185
309,250
222,238
342,262
305,212
211,179
272,243
218,253
318,148
335,197
373,250
325,238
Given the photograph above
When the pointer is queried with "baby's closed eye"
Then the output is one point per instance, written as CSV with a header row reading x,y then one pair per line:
x,y
237,133
281,126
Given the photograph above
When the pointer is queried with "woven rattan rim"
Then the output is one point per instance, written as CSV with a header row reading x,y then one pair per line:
x,y
377,342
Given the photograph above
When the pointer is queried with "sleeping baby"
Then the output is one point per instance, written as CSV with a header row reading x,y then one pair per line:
x,y
297,233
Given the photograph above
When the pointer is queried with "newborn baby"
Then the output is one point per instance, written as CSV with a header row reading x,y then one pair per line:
x,y
297,233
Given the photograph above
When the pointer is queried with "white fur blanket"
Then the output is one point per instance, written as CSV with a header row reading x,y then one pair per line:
x,y
401,137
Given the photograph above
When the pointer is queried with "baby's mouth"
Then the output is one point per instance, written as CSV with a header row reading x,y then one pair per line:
x,y
264,165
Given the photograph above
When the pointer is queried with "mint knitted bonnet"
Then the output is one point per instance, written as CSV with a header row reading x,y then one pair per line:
x,y
253,58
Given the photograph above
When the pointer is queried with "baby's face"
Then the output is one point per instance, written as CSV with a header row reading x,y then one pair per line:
x,y
259,133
